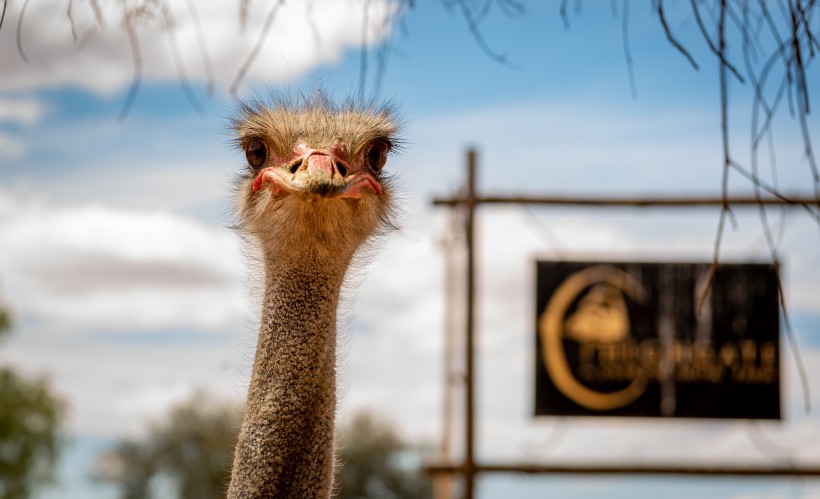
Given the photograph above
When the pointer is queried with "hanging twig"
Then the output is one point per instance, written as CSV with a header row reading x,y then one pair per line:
x,y
20,32
672,39
774,192
3,14
246,66
798,361
363,54
479,38
137,57
627,53
244,8
759,101
203,49
71,21
721,53
98,15
563,13
183,78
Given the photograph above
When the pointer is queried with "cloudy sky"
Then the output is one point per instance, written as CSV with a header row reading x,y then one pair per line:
x,y
131,293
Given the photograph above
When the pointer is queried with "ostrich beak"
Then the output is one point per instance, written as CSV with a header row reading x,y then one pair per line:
x,y
318,176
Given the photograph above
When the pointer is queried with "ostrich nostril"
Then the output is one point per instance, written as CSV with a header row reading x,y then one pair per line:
x,y
341,168
295,167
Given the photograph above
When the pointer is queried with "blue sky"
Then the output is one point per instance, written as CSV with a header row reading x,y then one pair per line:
x,y
129,291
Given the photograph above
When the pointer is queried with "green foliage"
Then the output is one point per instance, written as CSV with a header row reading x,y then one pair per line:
x,y
374,463
29,421
5,322
188,455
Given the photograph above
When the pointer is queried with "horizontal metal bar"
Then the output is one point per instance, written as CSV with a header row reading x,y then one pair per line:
x,y
671,201
633,469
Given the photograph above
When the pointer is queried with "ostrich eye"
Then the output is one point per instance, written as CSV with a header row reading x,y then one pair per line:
x,y
257,153
377,155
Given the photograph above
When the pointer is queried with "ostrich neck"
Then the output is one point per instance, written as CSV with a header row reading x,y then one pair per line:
x,y
285,447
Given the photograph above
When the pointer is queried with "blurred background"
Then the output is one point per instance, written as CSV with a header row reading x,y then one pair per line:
x,y
130,312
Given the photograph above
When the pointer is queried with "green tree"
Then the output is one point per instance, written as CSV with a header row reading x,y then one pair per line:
x,y
30,416
377,464
188,455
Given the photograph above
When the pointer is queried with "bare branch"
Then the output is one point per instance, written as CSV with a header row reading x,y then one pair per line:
x,y
95,6
721,54
244,8
724,123
775,192
128,21
71,21
801,369
3,15
512,7
203,49
627,52
386,47
256,48
363,56
485,10
479,38
672,39
20,32
563,13
759,101
183,78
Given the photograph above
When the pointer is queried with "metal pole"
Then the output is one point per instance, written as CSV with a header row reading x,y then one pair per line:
x,y
469,409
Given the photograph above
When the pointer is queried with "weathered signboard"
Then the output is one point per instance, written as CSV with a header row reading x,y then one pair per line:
x,y
625,339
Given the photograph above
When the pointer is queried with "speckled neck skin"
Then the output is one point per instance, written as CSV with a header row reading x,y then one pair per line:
x,y
285,447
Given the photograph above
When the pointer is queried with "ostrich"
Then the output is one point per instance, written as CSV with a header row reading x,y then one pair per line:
x,y
312,194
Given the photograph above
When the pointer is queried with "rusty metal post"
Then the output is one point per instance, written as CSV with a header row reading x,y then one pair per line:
x,y
469,350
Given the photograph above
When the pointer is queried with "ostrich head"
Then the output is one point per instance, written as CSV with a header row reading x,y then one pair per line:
x,y
314,180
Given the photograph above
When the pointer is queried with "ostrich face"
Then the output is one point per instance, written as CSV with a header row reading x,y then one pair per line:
x,y
314,172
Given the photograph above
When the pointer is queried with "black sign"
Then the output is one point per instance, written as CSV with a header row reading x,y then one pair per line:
x,y
626,339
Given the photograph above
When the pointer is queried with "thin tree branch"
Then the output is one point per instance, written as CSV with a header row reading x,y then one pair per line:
x,y
137,57
563,13
183,78
244,8
20,32
672,39
98,15
203,49
3,15
724,126
721,54
627,53
774,192
363,55
71,21
256,48
801,369
479,38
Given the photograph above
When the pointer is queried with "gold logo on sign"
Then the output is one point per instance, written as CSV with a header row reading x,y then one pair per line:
x,y
600,317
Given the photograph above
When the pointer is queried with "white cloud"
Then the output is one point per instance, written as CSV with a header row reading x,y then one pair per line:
x,y
111,268
300,38
10,146
24,111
